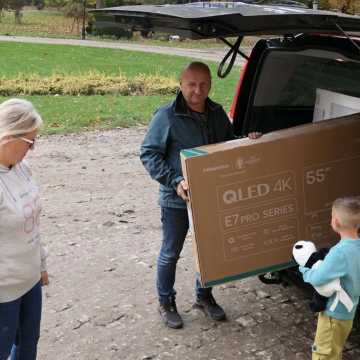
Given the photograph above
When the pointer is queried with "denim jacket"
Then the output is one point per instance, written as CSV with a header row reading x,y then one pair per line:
x,y
173,129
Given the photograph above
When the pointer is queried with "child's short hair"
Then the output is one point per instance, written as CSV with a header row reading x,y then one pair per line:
x,y
347,210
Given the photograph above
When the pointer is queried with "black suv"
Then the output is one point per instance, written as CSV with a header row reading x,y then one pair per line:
x,y
277,88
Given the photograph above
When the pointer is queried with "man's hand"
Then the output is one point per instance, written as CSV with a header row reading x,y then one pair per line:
x,y
182,190
255,135
44,278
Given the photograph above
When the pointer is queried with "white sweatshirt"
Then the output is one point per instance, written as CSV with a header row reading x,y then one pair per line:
x,y
22,257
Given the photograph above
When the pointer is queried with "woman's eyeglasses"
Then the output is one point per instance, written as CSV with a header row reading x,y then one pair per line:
x,y
30,142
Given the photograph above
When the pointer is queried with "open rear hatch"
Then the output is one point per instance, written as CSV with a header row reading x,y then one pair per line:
x,y
198,21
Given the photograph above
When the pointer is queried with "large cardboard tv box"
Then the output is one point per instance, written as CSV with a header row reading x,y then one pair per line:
x,y
251,200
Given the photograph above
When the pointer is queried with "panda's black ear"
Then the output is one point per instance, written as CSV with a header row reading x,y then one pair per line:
x,y
297,247
314,257
322,253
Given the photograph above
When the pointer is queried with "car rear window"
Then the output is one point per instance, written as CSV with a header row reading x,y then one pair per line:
x,y
286,90
291,79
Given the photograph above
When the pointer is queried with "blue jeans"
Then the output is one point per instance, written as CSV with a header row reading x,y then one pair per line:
x,y
175,225
20,325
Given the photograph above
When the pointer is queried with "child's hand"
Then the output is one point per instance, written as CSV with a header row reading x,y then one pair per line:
x,y
44,278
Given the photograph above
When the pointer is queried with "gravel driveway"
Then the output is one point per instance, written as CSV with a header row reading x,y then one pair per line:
x,y
101,225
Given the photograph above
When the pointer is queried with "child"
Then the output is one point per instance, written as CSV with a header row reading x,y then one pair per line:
x,y
343,262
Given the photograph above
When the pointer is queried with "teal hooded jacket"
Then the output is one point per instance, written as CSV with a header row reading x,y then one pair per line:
x,y
172,129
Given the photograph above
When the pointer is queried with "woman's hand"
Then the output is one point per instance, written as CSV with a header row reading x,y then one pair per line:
x,y
44,278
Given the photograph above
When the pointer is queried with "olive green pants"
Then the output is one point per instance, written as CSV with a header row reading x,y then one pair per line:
x,y
330,338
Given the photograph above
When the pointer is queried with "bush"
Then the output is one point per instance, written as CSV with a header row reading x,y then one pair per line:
x,y
92,83
58,4
324,5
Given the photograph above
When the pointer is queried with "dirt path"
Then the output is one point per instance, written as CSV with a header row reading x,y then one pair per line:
x,y
215,55
101,225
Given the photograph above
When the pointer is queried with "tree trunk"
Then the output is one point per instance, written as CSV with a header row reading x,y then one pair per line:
x,y
18,16
99,4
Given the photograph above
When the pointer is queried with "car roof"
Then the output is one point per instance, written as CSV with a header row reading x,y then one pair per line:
x,y
203,20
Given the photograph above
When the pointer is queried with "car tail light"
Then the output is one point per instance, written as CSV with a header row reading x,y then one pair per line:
x,y
231,113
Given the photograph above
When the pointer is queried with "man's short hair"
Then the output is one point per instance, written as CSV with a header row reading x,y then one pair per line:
x,y
196,65
347,209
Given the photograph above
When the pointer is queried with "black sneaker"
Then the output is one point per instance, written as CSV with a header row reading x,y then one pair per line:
x,y
210,308
170,316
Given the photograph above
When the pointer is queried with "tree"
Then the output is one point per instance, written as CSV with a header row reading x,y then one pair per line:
x,y
17,6
58,4
39,4
2,7
74,10
348,7
345,6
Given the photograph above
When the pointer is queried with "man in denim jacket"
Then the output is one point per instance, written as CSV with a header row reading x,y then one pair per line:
x,y
190,120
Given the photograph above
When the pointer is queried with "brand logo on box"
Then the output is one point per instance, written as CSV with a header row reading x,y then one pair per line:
x,y
241,162
216,168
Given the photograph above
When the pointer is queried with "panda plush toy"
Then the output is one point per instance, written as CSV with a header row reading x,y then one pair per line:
x,y
306,255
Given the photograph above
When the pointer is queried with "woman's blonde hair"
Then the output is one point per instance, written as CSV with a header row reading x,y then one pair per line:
x,y
347,210
18,117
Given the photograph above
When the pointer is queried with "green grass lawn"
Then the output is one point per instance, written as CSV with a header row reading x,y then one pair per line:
x,y
64,114
74,113
47,59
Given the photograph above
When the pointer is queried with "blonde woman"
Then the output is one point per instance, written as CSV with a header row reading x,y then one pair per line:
x,y
22,258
